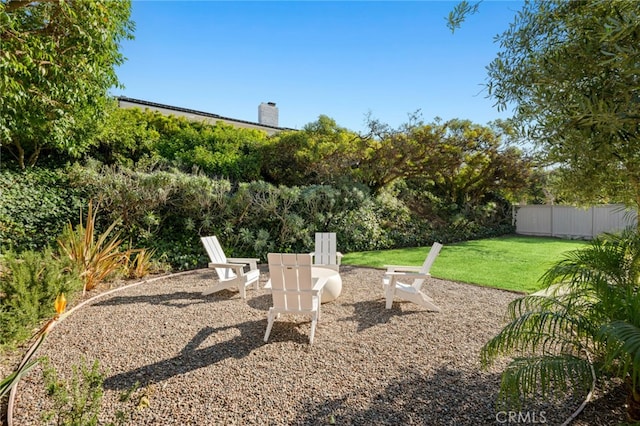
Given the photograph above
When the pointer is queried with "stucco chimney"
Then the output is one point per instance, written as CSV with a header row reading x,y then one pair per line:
x,y
268,114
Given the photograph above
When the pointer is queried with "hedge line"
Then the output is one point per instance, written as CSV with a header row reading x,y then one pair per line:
x,y
169,210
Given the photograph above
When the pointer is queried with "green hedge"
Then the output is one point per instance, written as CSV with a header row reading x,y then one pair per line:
x,y
168,210
35,204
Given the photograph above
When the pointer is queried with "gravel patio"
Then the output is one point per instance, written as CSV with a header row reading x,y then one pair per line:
x,y
202,361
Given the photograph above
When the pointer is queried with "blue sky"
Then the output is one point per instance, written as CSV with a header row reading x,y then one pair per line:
x,y
341,59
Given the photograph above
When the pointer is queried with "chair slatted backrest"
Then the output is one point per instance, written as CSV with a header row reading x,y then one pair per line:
x,y
291,281
326,252
216,255
428,262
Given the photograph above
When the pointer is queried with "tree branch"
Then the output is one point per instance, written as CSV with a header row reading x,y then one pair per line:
x,y
13,5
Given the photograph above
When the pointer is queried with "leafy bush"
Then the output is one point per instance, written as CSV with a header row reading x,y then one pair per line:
x,y
169,210
126,137
215,149
29,284
35,204
153,205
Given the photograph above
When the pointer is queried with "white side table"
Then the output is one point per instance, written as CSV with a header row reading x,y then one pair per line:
x,y
333,287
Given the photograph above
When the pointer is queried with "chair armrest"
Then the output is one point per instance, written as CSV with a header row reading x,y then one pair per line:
x,y
407,274
319,284
237,267
396,268
338,256
253,263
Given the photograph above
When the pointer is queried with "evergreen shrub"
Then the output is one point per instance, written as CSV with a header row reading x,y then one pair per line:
x,y
29,284
168,211
35,205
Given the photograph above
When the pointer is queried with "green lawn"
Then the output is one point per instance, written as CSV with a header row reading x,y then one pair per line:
x,y
512,262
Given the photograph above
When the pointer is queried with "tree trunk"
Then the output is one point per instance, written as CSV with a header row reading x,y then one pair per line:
x,y
633,403
20,155
34,156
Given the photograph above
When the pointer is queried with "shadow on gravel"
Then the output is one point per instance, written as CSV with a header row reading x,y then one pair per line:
x,y
179,299
446,397
262,302
370,313
193,357
449,397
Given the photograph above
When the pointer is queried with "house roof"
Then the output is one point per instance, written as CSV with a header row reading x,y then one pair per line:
x,y
125,102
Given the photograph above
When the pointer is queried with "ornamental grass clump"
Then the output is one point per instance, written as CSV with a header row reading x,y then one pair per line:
x,y
98,258
140,265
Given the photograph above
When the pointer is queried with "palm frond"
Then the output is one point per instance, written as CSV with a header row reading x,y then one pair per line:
x,y
610,259
623,339
539,332
546,376
590,309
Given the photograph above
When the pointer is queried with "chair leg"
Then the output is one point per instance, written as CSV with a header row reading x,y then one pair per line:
x,y
314,321
270,319
424,300
213,289
389,293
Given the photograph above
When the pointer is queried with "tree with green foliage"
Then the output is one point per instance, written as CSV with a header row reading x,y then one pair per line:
x,y
321,153
219,150
585,326
471,175
391,154
570,69
125,137
460,160
474,161
57,64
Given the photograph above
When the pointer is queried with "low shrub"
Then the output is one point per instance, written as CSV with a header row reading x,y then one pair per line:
x,y
140,263
76,403
29,284
78,400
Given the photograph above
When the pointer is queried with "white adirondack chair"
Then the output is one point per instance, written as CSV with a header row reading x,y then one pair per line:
x,y
293,290
326,254
405,282
231,271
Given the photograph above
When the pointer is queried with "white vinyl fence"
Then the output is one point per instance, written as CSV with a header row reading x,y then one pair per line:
x,y
572,222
